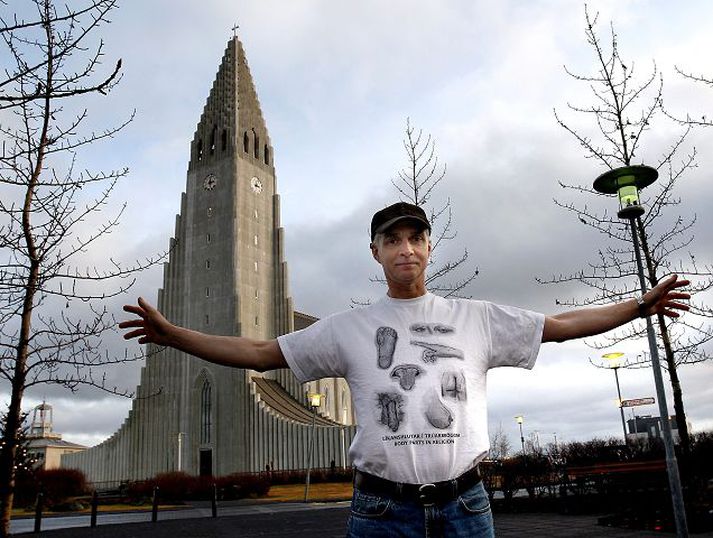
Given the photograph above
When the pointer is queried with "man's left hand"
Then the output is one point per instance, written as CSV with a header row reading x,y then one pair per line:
x,y
663,298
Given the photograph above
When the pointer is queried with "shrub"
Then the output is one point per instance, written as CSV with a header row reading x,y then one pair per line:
x,y
239,486
57,485
175,486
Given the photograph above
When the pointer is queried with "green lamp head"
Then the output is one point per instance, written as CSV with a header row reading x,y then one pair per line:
x,y
626,182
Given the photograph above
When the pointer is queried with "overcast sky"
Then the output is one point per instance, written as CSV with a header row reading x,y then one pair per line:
x,y
337,80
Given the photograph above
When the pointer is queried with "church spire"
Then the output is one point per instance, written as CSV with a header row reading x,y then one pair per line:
x,y
232,119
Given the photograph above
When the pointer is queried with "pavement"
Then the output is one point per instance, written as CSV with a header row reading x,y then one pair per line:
x,y
293,520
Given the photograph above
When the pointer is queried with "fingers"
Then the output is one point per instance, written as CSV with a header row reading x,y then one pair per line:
x,y
135,310
134,334
131,323
143,303
672,282
677,306
671,296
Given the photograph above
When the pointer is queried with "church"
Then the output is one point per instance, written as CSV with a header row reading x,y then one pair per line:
x,y
226,274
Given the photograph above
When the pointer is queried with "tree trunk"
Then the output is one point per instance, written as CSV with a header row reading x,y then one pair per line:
x,y
13,424
684,438
8,454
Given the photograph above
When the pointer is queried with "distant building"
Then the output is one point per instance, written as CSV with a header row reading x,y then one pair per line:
x,y
648,427
44,445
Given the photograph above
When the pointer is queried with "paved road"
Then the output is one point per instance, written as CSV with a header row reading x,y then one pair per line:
x,y
297,520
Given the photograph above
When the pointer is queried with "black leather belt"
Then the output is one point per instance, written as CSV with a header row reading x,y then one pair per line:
x,y
426,494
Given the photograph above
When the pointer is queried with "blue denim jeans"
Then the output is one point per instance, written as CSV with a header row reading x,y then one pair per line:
x,y
468,516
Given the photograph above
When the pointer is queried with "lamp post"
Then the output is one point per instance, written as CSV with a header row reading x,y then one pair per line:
x,y
520,419
315,400
179,456
615,363
343,437
626,183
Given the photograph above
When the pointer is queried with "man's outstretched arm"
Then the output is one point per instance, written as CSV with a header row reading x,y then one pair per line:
x,y
662,299
235,351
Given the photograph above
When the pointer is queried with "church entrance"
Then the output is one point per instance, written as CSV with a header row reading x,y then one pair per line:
x,y
206,462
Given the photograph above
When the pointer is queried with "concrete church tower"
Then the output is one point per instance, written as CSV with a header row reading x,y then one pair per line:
x,y
226,274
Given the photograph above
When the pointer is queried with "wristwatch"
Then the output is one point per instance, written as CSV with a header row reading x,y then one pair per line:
x,y
642,305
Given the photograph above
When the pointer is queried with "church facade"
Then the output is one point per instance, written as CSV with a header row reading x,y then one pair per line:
x,y
226,274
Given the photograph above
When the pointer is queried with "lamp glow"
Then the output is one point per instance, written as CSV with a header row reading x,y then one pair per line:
x,y
315,399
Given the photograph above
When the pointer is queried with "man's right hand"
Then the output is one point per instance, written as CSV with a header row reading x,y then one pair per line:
x,y
151,326
237,352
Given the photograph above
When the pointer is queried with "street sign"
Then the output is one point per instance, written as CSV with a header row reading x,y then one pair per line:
x,y
637,401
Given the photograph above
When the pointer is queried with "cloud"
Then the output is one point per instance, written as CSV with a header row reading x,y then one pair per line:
x,y
336,82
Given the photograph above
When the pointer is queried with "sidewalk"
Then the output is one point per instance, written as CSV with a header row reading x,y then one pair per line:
x,y
297,520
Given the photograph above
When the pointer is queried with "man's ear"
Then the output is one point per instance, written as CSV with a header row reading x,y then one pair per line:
x,y
374,251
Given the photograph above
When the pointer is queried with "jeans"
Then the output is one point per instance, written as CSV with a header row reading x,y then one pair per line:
x,y
373,516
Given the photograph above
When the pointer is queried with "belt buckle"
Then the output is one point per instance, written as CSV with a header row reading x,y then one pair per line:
x,y
426,494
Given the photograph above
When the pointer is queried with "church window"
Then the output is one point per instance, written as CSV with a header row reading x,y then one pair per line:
x,y
257,294
256,147
207,264
207,320
207,292
255,240
256,213
257,321
199,150
209,212
224,140
207,238
246,142
256,267
212,139
206,417
266,154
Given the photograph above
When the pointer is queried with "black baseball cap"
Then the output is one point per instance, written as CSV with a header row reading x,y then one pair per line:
x,y
387,217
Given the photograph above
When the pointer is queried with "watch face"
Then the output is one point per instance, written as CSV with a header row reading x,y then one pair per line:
x,y
209,182
256,185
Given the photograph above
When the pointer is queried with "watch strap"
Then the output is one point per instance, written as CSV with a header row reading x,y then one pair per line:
x,y
642,305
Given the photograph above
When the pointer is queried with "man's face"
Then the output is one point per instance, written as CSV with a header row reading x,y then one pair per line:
x,y
403,253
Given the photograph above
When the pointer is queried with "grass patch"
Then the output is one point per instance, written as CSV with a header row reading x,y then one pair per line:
x,y
103,508
323,491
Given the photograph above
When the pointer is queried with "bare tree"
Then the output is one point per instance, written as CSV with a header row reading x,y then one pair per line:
x,y
416,183
52,311
703,121
500,446
623,109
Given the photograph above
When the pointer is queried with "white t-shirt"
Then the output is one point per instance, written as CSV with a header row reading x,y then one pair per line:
x,y
417,372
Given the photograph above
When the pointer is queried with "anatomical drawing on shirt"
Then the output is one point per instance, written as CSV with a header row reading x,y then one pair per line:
x,y
385,346
406,375
391,404
441,386
437,414
431,328
431,352
453,385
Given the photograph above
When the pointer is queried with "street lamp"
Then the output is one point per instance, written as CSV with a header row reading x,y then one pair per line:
x,y
626,183
520,419
615,363
343,437
179,456
315,400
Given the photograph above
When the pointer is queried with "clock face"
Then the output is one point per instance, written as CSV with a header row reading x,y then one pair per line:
x,y
256,185
209,182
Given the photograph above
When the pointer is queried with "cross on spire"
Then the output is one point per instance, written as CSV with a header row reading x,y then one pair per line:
x,y
235,30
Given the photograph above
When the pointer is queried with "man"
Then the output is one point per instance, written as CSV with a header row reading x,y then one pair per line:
x,y
416,364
